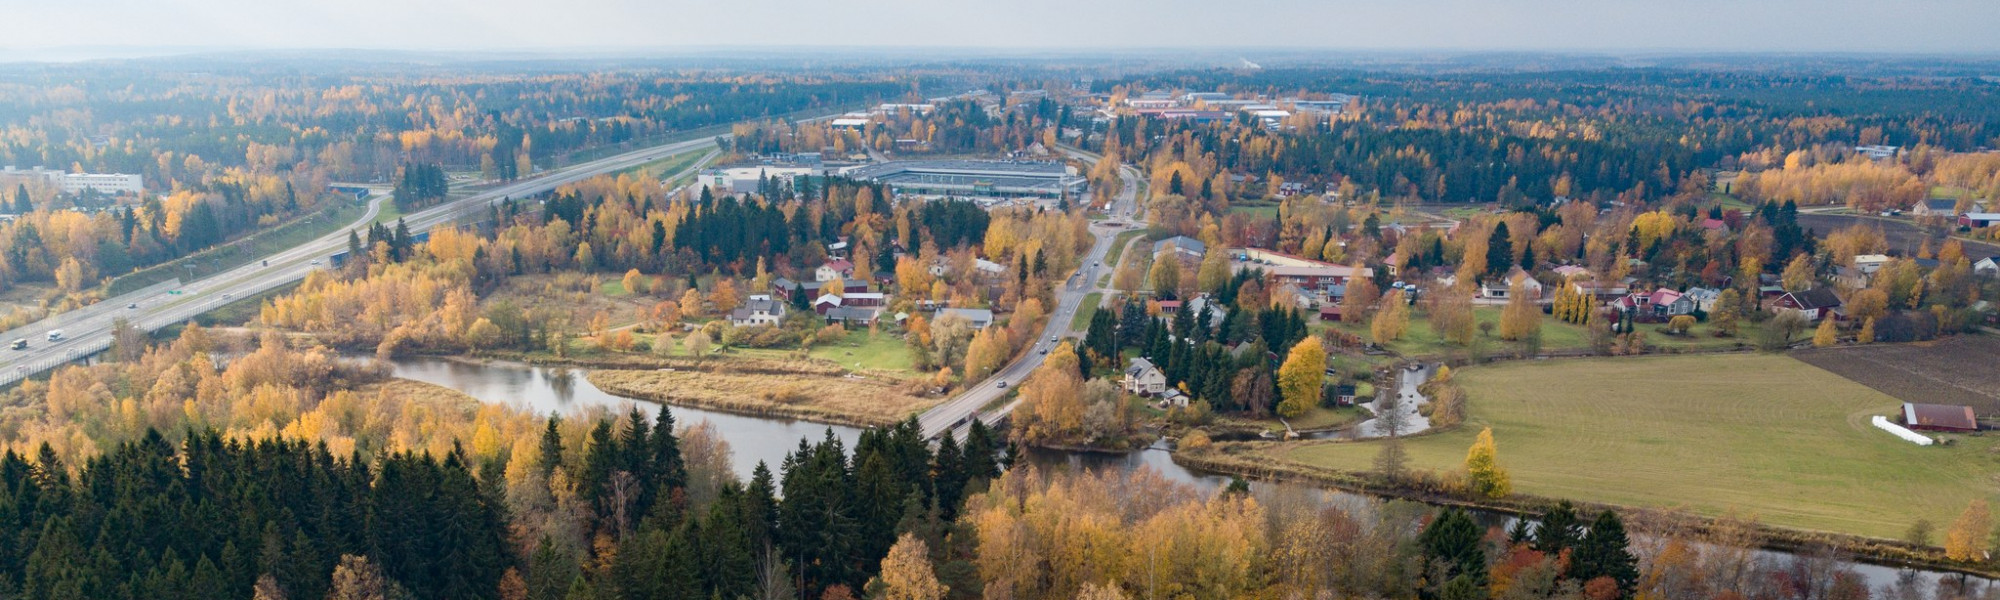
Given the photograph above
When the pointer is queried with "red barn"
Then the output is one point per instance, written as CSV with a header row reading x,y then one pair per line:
x,y
1939,417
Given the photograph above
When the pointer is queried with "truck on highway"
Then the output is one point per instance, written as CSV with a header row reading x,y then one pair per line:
x,y
20,344
55,335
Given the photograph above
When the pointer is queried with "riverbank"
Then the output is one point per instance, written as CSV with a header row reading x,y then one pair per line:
x,y
1242,459
842,400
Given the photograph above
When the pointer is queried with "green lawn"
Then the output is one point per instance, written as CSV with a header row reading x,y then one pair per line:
x,y
669,165
613,288
1261,210
389,213
1763,435
1324,418
859,350
1118,246
240,252
1085,310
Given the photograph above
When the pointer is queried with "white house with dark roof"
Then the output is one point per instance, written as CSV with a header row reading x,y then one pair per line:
x,y
979,317
1142,378
1986,267
760,309
1703,298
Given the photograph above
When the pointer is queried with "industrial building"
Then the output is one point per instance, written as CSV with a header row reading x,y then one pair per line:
x,y
990,178
109,184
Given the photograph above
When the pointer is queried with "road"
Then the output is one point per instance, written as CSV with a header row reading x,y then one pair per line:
x,y
957,413
88,330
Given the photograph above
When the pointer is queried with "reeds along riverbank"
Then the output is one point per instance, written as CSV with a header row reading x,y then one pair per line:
x,y
858,402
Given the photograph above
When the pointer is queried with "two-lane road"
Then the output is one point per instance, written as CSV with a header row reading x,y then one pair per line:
x,y
957,413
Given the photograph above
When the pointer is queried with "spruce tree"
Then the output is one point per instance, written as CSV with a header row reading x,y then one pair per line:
x,y
1559,530
1452,544
1604,552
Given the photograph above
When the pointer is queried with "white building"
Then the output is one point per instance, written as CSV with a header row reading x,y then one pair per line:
x,y
77,183
749,180
1143,378
110,184
759,310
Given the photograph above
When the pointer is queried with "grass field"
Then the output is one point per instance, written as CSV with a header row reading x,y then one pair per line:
x,y
613,288
1085,310
860,351
389,213
239,252
1766,436
1318,418
1118,246
1261,210
669,165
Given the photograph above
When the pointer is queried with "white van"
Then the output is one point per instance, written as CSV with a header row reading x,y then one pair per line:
x,y
55,335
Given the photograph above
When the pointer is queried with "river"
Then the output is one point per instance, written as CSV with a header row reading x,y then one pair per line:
x,y
752,439
546,390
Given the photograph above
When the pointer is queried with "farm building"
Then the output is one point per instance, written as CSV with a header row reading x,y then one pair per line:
x,y
1812,304
1939,417
1978,219
1326,282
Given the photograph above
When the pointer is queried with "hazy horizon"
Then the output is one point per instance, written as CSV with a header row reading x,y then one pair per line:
x,y
83,29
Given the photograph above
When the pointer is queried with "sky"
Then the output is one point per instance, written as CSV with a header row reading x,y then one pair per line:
x,y
39,27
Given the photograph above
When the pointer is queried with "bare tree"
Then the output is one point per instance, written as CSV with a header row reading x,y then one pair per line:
x,y
774,578
1389,418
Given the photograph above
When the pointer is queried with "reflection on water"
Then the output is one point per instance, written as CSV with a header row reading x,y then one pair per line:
x,y
564,391
1156,456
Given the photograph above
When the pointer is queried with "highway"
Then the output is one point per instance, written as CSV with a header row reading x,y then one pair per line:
x,y
957,413
88,330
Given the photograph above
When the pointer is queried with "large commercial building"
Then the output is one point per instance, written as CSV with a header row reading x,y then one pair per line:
x,y
110,184
750,179
990,178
